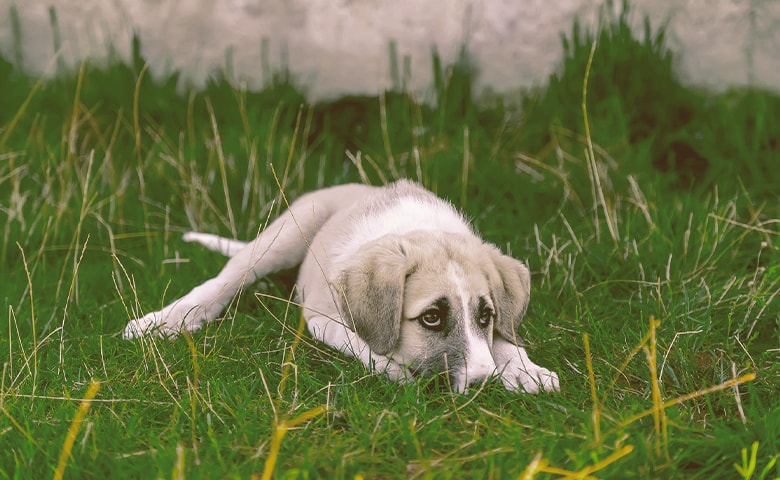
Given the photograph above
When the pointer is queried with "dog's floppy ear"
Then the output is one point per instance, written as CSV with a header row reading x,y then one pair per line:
x,y
511,292
371,290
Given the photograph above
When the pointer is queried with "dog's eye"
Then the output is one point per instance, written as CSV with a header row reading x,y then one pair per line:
x,y
432,320
486,316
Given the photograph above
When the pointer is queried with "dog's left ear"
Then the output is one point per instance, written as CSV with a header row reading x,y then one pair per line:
x,y
511,292
371,291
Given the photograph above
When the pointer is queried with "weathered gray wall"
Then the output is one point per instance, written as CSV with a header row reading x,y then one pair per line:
x,y
341,46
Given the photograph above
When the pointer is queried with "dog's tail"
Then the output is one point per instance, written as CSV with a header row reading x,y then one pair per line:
x,y
225,246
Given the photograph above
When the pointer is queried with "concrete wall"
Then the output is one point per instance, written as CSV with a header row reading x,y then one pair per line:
x,y
342,46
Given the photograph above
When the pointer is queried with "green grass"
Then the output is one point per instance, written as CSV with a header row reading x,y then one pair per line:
x,y
671,215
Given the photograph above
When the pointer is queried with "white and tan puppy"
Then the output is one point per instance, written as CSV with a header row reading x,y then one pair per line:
x,y
392,275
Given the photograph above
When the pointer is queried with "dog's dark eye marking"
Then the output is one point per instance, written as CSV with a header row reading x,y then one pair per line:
x,y
435,317
485,314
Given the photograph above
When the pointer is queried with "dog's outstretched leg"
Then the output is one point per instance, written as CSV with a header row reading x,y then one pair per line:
x,y
282,245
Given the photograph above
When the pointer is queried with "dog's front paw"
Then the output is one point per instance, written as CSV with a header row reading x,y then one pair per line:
x,y
150,323
529,378
154,323
168,322
394,370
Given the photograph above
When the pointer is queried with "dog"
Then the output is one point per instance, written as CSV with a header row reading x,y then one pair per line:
x,y
392,275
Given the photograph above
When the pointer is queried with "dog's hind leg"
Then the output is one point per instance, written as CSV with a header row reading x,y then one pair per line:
x,y
282,245
225,246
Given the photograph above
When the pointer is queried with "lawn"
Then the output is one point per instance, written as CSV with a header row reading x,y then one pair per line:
x,y
648,212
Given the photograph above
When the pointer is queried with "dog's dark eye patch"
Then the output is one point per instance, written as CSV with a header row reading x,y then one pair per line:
x,y
435,317
485,313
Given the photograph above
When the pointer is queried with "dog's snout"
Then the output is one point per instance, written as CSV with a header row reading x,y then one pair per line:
x,y
474,372
478,372
478,364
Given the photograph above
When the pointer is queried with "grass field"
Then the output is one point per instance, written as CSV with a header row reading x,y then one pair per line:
x,y
649,219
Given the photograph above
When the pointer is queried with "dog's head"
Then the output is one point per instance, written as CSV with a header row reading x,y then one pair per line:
x,y
435,301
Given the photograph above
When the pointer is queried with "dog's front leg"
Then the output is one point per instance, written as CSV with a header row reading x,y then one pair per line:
x,y
267,253
282,245
201,305
519,372
335,333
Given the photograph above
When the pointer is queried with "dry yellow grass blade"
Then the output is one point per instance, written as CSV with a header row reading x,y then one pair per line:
x,y
280,431
75,425
748,377
540,465
585,472
32,319
21,429
593,393
659,415
282,426
9,129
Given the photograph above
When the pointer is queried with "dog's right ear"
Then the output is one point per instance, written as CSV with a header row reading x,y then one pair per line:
x,y
371,291
511,291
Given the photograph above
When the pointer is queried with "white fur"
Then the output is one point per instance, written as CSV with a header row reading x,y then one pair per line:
x,y
518,372
479,363
225,246
343,339
410,214
342,236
